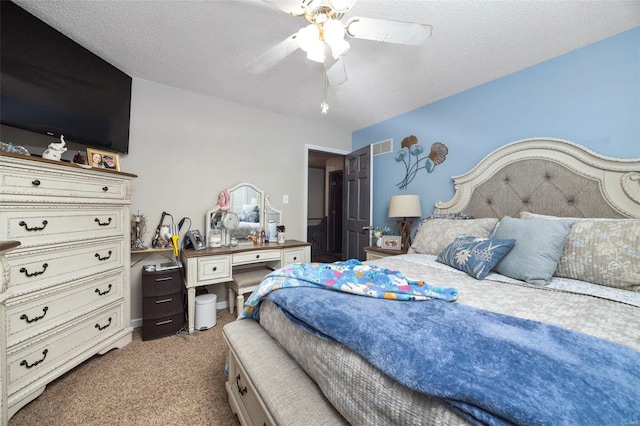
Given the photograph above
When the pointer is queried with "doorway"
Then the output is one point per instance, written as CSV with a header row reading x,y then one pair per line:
x,y
324,204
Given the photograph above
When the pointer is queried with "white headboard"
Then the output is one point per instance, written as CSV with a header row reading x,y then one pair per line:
x,y
547,176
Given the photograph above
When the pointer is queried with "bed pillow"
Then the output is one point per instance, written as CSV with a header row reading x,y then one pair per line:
x,y
601,251
249,213
539,245
475,256
435,234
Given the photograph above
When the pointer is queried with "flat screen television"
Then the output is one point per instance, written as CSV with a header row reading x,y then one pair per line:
x,y
51,85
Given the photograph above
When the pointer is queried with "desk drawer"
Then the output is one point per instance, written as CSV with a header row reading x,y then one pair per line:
x,y
293,255
46,267
37,225
36,312
214,268
256,257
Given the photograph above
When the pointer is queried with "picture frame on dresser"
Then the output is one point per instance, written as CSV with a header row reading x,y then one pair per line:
x,y
103,159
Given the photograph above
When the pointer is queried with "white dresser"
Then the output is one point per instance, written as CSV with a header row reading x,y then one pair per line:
x,y
65,290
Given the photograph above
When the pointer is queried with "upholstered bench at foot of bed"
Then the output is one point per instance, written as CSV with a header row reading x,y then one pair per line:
x,y
279,391
245,282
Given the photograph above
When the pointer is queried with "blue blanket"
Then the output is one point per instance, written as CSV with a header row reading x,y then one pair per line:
x,y
492,368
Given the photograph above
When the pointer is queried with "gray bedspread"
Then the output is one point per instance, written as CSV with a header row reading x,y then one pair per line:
x,y
363,395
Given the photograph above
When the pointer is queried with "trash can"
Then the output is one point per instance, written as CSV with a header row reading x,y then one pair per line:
x,y
205,311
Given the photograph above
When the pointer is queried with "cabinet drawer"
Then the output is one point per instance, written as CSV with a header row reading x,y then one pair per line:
x,y
214,268
37,225
161,283
45,267
256,257
31,362
245,393
155,328
160,306
36,312
66,186
294,255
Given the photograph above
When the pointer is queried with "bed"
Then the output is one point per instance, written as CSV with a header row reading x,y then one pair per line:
x,y
533,273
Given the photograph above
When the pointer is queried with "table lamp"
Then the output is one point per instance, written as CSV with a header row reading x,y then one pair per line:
x,y
405,206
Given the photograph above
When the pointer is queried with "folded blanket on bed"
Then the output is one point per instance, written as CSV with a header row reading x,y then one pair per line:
x,y
493,368
350,276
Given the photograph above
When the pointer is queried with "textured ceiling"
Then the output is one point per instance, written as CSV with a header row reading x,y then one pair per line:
x,y
203,46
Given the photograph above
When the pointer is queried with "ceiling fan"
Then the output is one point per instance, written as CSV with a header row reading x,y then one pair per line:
x,y
323,39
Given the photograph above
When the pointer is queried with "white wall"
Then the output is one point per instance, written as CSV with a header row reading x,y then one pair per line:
x,y
186,147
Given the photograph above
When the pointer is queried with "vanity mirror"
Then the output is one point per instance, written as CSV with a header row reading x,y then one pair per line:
x,y
242,209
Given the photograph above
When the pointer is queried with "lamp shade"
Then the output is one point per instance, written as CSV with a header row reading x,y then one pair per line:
x,y
405,206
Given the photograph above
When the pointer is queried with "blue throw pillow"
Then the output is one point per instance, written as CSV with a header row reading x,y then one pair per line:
x,y
475,256
540,244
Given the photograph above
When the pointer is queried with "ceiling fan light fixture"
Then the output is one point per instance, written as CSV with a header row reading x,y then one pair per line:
x,y
308,39
333,32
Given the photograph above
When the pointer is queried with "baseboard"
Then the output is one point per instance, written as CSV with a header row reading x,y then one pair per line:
x,y
137,322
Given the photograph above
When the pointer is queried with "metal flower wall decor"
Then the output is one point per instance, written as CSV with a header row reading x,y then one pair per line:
x,y
429,161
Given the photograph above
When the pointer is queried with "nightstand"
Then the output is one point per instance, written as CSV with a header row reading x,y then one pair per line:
x,y
374,253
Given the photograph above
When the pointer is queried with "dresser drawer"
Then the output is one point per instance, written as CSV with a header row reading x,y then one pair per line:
x,y
256,257
45,267
39,311
161,282
216,268
33,361
67,186
41,225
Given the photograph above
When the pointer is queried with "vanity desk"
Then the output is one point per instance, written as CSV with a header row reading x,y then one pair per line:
x,y
216,265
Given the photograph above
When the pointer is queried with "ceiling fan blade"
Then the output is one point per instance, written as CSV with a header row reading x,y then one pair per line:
x,y
273,55
388,31
342,6
336,73
292,7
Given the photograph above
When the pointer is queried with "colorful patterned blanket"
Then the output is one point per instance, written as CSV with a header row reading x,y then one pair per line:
x,y
350,276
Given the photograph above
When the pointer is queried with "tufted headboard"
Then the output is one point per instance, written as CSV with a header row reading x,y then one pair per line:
x,y
547,176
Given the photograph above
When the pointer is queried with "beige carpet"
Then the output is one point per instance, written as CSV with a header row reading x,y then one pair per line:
x,y
175,380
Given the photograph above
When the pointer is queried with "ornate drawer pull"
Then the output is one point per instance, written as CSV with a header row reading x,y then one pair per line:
x,y
108,256
35,228
107,223
24,362
215,268
257,256
99,327
295,257
35,182
242,391
26,318
105,188
34,274
102,293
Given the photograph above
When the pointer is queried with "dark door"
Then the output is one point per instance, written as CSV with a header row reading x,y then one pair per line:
x,y
335,211
356,203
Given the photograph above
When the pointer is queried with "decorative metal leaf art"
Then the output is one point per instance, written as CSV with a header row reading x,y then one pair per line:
x,y
436,156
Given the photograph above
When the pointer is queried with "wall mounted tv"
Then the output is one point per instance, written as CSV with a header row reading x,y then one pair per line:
x,y
51,85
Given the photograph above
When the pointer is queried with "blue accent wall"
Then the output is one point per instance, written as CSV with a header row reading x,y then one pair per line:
x,y
590,96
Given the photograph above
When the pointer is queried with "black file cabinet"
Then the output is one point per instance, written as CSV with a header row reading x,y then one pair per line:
x,y
162,304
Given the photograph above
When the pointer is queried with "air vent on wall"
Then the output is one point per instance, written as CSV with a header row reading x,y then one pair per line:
x,y
382,147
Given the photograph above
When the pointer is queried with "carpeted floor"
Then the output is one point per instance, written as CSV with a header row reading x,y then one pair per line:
x,y
176,380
